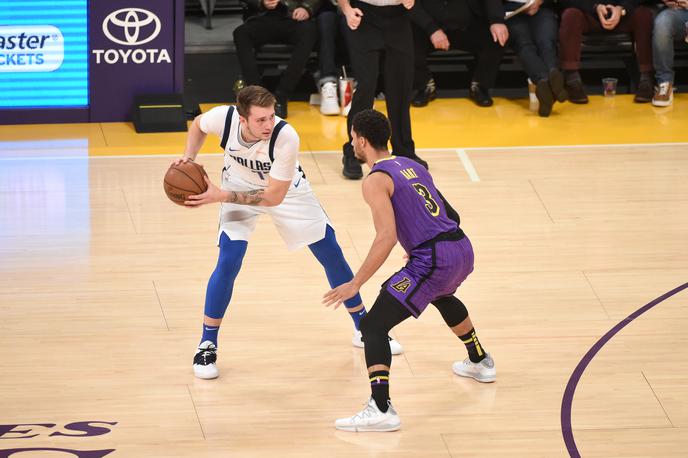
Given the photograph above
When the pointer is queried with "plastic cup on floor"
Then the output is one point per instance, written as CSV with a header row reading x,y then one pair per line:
x,y
609,85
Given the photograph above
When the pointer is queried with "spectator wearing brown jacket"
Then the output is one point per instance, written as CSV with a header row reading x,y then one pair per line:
x,y
583,16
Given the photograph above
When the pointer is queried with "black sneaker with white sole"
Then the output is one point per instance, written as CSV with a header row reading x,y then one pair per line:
x,y
204,362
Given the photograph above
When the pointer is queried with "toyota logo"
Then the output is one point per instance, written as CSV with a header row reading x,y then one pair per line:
x,y
132,21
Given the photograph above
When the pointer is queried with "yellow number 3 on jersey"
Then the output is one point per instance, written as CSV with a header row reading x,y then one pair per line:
x,y
430,202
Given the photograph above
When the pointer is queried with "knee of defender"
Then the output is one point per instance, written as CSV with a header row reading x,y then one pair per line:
x,y
370,329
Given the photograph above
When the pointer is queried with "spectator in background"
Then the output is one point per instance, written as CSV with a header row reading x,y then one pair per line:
x,y
533,36
584,16
380,29
330,20
476,26
275,21
670,26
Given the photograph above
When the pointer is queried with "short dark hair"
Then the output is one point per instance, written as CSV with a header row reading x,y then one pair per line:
x,y
373,126
253,96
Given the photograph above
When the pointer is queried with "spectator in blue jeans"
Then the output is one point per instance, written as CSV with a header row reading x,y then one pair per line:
x,y
533,37
670,26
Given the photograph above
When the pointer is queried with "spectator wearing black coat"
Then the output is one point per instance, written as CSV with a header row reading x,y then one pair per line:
x,y
476,26
277,21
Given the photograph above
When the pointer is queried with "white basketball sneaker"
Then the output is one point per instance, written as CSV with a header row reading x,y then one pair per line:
x,y
484,371
357,341
371,419
204,361
329,104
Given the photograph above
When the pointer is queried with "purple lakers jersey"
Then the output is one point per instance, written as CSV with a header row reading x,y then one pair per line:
x,y
419,212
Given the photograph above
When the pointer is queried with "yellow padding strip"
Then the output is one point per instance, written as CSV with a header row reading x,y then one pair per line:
x,y
160,106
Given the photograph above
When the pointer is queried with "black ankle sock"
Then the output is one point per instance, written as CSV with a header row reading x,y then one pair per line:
x,y
646,76
475,350
379,385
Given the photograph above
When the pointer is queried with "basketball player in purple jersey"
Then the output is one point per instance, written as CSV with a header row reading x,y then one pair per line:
x,y
406,207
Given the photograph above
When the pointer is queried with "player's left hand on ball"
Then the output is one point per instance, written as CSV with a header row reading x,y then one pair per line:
x,y
181,160
211,195
340,294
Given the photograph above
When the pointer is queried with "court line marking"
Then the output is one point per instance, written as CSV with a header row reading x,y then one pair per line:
x,y
424,150
468,165
567,399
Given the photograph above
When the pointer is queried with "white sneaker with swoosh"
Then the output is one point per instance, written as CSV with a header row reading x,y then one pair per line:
x,y
484,371
371,419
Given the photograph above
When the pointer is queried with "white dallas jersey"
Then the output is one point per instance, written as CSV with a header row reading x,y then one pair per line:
x,y
248,165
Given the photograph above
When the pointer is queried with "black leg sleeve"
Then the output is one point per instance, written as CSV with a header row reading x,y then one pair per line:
x,y
452,310
386,313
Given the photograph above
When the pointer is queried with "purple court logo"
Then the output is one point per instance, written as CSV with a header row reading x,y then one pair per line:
x,y
70,430
131,26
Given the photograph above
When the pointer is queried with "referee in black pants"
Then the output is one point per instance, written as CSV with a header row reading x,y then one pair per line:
x,y
381,28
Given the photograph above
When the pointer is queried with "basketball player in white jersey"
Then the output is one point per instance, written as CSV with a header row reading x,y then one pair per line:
x,y
261,175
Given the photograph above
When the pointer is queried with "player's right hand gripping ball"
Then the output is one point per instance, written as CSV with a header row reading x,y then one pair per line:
x,y
184,180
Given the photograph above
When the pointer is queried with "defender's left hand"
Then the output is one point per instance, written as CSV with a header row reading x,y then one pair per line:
x,y
340,294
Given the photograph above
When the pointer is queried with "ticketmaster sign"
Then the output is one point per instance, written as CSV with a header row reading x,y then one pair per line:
x,y
86,60
43,53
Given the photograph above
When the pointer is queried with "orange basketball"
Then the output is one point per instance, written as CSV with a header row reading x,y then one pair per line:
x,y
184,180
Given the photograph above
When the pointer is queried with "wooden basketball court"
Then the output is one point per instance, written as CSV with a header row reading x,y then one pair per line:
x,y
102,283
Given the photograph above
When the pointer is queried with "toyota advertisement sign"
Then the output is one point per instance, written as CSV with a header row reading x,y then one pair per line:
x,y
132,53
132,28
86,60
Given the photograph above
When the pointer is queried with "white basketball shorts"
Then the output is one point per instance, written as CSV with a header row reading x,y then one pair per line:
x,y
299,219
